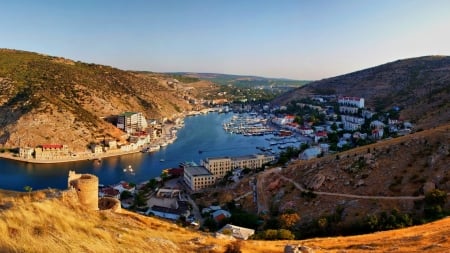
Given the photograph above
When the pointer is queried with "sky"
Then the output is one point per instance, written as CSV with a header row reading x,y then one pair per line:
x,y
302,39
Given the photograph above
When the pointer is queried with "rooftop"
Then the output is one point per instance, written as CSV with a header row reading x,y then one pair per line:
x,y
197,171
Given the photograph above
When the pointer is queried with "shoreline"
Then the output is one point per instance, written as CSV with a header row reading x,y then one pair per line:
x,y
10,156
90,156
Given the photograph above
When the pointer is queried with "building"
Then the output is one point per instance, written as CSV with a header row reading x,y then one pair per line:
x,y
131,122
198,177
219,166
236,231
220,215
351,101
352,123
86,187
26,153
51,152
251,161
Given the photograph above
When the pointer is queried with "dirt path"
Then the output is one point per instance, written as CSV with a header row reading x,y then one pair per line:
x,y
301,188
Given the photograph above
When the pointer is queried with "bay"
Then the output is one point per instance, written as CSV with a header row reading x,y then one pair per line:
x,y
203,132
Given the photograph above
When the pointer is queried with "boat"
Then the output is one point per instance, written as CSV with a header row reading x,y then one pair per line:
x,y
161,160
154,148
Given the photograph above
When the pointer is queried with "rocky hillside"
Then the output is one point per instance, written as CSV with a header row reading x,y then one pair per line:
x,y
421,86
45,99
29,223
345,189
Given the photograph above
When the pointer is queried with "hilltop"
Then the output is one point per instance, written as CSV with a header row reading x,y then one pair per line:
x,y
420,86
43,222
47,99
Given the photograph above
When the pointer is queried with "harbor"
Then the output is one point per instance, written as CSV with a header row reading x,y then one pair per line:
x,y
203,132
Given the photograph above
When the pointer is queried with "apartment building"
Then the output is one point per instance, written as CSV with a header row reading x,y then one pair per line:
x,y
198,177
131,122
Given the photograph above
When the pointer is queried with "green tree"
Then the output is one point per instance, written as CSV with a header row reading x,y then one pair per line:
x,y
284,234
28,189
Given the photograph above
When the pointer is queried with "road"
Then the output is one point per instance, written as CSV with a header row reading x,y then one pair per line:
x,y
353,196
262,199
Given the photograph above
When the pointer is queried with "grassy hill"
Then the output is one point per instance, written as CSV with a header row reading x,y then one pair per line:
x,y
46,99
42,222
420,86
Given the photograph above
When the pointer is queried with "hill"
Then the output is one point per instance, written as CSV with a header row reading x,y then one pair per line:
x,y
389,184
46,99
43,222
247,81
420,86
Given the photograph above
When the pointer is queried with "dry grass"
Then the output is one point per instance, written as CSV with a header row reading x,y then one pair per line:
x,y
42,223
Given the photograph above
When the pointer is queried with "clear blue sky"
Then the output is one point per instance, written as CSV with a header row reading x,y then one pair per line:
x,y
310,39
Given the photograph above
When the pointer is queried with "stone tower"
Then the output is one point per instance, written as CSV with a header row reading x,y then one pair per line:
x,y
86,186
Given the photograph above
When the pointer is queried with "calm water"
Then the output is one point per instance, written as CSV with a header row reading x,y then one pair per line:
x,y
200,133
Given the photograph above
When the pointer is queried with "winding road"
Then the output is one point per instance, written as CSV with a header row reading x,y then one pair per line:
x,y
263,205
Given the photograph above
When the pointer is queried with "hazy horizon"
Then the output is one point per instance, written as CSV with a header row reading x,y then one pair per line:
x,y
302,40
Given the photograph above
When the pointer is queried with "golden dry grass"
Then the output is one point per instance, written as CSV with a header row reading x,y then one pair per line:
x,y
42,223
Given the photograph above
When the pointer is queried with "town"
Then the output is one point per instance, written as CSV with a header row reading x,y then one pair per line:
x,y
314,127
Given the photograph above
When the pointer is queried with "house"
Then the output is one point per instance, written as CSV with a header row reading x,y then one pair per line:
x,y
96,148
310,153
236,231
377,133
306,130
320,135
124,186
109,192
220,215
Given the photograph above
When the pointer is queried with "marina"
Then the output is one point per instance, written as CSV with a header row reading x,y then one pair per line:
x,y
248,124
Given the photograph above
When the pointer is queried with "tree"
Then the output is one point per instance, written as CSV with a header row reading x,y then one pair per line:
x,y
334,126
28,189
288,220
284,234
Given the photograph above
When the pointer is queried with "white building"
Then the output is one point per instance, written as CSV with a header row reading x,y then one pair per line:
x,y
351,101
352,123
131,122
219,166
236,231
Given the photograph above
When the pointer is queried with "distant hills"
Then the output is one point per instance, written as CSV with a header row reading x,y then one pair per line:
x,y
420,86
46,99
246,81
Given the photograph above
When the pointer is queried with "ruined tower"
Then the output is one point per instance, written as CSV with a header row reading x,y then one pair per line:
x,y
86,186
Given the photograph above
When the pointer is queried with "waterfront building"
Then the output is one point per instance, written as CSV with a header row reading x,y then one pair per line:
x,y
131,122
26,153
51,152
198,177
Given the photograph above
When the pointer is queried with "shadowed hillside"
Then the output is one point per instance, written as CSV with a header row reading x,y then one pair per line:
x,y
421,86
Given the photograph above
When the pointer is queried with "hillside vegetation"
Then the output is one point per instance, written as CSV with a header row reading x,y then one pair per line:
x,y
42,222
420,86
46,99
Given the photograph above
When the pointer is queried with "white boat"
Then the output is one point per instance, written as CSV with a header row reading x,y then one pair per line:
x,y
154,148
